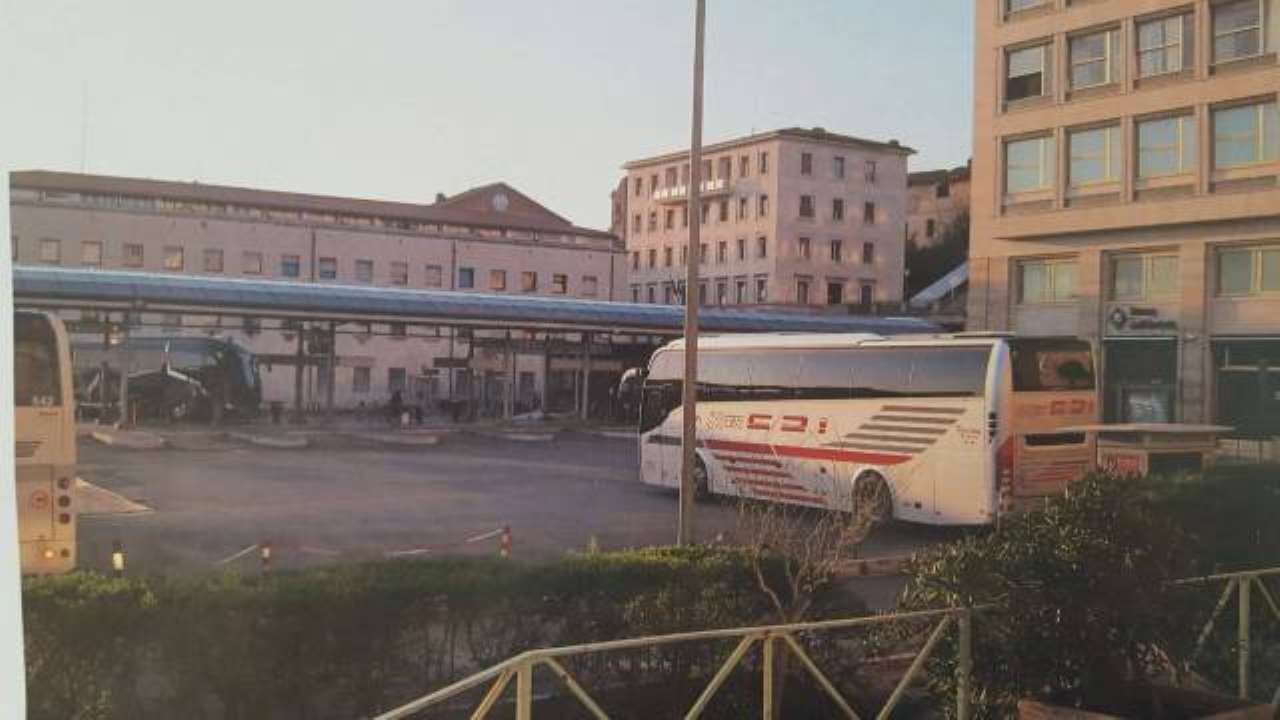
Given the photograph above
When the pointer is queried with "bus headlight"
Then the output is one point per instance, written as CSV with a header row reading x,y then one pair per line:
x,y
64,518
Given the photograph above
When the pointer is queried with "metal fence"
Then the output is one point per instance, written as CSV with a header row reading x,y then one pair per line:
x,y
1241,585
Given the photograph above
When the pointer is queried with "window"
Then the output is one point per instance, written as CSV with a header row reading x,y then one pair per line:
x,y
653,257
722,292
702,293
943,189
635,293
837,209
328,268
290,266
638,184
726,168
1237,30
653,220
742,208
1095,156
869,213
806,206
1165,45
173,258
1046,281
706,212
652,294
498,280
866,294
653,183
802,292
669,219
559,283
837,167
835,292
668,292
740,296
869,171
672,173
744,166
213,260
399,273
666,257
930,227
1013,6
91,253
590,285
1027,73
1249,271
837,251
702,253
360,379
395,379
1143,277
762,290
1245,135
722,252
806,163
251,262
133,255
466,277
684,216
1166,146
364,271
868,253
50,251
434,276
528,281
764,206
803,248
762,247
1029,164
742,248
635,260
1094,59
764,162
724,211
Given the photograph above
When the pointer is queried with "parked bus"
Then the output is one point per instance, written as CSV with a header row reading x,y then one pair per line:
x,y
45,430
944,430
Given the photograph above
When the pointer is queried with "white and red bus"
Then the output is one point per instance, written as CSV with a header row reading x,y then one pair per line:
x,y
45,433
940,429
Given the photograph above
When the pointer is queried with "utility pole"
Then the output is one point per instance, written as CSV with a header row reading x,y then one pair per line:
x,y
689,438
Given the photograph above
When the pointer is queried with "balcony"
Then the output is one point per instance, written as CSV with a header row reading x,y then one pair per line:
x,y
680,193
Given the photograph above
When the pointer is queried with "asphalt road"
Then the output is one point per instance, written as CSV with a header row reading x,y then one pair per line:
x,y
332,502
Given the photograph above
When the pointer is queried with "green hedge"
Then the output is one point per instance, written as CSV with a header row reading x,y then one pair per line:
x,y
346,640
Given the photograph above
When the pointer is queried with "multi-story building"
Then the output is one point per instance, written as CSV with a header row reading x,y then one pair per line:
x,y
490,239
1126,181
935,199
792,217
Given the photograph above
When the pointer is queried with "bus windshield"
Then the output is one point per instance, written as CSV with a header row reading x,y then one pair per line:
x,y
1051,364
35,363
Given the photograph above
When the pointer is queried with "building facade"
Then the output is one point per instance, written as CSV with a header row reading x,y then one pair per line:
x,y
1126,189
491,239
790,218
935,200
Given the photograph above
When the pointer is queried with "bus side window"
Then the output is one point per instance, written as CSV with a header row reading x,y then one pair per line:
x,y
660,398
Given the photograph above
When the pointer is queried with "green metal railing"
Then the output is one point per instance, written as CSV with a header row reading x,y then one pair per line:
x,y
770,638
1241,584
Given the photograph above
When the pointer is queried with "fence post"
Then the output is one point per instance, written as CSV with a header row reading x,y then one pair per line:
x,y
1242,635
766,711
964,666
524,691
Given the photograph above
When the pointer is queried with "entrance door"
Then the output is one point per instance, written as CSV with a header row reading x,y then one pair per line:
x,y
1140,381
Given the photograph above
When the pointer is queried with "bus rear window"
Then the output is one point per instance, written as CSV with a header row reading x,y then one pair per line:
x,y
35,363
1053,439
1051,365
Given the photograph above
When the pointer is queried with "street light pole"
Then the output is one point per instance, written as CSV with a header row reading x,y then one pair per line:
x,y
688,403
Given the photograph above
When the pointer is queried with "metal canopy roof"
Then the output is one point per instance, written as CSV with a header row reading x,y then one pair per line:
x,y
157,292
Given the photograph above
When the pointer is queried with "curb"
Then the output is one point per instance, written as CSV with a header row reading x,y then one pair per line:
x,y
266,441
529,437
616,434
132,440
407,440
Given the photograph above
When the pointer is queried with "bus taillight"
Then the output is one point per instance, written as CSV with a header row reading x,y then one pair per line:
x,y
64,483
64,500
993,426
64,518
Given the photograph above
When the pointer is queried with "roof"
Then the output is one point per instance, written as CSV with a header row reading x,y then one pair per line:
x,y
476,207
816,134
959,275
199,295
833,340
933,177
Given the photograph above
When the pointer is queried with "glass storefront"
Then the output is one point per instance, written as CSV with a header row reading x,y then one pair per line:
x,y
1141,381
1248,386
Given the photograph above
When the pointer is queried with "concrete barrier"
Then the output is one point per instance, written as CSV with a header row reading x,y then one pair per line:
x,y
275,442
128,439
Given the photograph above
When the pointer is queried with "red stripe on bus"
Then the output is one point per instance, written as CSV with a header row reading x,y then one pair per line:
x,y
808,453
733,459
757,471
781,494
752,482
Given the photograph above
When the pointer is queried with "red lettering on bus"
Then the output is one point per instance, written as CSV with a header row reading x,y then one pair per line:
x,y
759,422
794,423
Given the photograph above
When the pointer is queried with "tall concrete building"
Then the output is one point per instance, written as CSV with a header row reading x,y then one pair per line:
x,y
790,218
1125,189
491,239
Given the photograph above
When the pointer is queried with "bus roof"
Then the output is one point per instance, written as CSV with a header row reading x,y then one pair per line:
x,y
825,340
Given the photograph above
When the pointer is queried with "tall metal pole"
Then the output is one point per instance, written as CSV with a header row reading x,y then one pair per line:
x,y
688,403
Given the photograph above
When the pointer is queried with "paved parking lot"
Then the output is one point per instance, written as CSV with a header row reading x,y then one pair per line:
x,y
339,500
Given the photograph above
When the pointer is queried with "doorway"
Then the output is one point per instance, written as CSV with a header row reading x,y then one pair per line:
x,y
1140,381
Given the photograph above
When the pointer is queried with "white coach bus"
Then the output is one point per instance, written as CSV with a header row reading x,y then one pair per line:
x,y
943,429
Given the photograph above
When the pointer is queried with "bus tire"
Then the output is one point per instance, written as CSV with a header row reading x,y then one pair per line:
x,y
871,495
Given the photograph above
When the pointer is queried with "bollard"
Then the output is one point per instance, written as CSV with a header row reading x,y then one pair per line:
x,y
504,544
117,558
265,553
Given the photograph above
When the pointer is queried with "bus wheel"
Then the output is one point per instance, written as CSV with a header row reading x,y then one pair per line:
x,y
701,481
871,496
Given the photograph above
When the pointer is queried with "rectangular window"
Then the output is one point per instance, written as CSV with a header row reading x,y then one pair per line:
x,y
1027,73
328,268
590,286
290,266
740,294
364,271
806,206
669,219
653,258
762,290
653,220
722,292
724,211
1166,146
706,212
726,168
869,213
1246,135
764,206
133,255
652,294
866,294
762,247
930,227
742,248
868,253
251,262
684,255
50,251
213,260
559,283
360,379
702,253
1165,45
399,273
528,281
91,253
498,280
671,174
174,257
1013,6
1029,164
802,292
1143,277
395,379
1237,30
635,293
1046,281
869,171
742,208
1095,156
835,292
806,163
837,167
668,292
666,257
635,223
837,251
744,166
638,184
722,252
653,183
1094,59
635,260
837,209
764,162
434,276
466,278
1249,270
803,248
684,216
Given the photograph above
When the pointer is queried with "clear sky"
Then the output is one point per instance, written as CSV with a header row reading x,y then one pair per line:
x,y
401,99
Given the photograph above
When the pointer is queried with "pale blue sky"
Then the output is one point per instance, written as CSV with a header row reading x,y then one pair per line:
x,y
400,99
